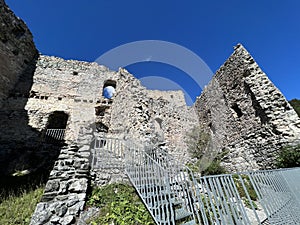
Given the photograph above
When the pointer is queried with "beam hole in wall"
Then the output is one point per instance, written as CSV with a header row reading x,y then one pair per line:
x,y
100,110
59,98
109,88
237,110
212,128
101,127
32,94
15,52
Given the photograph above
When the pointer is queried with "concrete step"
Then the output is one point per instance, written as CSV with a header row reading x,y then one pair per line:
x,y
161,203
181,214
192,222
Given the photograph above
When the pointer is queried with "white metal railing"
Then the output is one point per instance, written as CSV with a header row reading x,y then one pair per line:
x,y
174,195
54,135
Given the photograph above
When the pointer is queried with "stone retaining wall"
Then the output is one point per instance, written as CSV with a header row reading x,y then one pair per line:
x,y
65,191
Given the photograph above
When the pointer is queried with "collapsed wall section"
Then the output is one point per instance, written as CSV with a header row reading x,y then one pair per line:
x,y
246,114
152,116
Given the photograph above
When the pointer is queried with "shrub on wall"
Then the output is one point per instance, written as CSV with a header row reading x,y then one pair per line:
x,y
201,148
296,105
288,157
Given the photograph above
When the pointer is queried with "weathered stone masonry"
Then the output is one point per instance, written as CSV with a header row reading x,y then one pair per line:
x,y
241,108
17,49
246,113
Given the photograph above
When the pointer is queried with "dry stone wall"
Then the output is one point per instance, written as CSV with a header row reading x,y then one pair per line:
x,y
246,114
65,191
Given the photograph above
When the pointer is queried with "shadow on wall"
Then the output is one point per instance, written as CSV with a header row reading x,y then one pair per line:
x,y
25,158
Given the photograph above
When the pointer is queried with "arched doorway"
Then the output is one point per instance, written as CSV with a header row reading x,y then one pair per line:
x,y
57,123
57,120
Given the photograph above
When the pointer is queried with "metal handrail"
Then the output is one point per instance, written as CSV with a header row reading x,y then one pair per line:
x,y
54,135
164,184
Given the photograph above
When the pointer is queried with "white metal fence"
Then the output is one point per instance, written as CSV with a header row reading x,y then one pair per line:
x,y
175,195
54,135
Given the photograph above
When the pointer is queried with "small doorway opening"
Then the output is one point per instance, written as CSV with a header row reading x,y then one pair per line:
x,y
57,120
57,123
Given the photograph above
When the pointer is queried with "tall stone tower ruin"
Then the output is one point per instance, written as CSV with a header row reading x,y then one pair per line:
x,y
246,114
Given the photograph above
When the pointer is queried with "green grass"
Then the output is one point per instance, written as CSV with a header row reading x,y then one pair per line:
x,y
18,208
120,205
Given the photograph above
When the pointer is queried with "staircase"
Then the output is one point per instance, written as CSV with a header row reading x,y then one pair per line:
x,y
175,196
163,188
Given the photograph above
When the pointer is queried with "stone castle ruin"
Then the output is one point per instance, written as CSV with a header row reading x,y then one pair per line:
x,y
52,109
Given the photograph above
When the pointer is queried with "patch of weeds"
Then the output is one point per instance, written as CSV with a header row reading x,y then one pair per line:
x,y
213,167
249,187
248,204
119,204
18,208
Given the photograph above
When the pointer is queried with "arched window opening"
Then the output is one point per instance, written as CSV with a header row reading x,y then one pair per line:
x,y
99,143
109,88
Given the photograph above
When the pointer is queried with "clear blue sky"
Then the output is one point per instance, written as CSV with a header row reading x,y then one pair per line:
x,y
84,30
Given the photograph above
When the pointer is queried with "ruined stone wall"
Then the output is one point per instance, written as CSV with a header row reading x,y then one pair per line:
x,y
17,49
69,86
246,113
132,113
148,116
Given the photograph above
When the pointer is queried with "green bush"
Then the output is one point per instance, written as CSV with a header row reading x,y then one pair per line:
x,y
295,103
197,141
119,204
289,156
201,148
214,168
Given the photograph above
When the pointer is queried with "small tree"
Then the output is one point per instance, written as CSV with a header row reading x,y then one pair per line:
x,y
201,148
197,142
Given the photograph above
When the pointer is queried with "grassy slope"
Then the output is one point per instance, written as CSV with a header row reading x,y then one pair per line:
x,y
119,204
17,209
